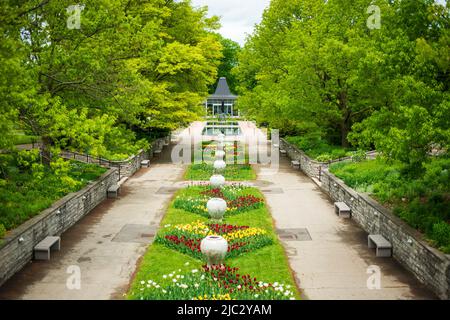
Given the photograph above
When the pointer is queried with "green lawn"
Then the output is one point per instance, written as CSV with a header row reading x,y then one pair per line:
x,y
233,172
267,264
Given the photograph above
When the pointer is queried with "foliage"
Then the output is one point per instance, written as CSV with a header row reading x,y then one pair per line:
x,y
315,68
423,202
131,67
30,187
228,61
318,148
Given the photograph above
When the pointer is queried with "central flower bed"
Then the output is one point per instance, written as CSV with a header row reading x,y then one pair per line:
x,y
213,283
186,238
237,202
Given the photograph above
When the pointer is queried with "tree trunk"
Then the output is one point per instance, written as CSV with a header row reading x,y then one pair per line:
x,y
45,150
345,129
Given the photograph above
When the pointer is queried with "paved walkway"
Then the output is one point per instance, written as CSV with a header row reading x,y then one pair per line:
x,y
106,244
331,258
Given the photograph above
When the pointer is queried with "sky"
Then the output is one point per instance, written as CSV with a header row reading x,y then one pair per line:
x,y
238,17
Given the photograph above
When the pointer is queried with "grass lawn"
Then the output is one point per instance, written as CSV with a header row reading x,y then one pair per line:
x,y
268,264
233,172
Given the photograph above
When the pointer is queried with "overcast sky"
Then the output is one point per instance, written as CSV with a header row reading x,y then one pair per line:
x,y
238,17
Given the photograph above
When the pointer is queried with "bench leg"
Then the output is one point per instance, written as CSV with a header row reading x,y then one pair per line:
x,y
345,214
370,244
384,252
42,255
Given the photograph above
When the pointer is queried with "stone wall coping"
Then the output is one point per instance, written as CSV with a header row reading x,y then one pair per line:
x,y
14,234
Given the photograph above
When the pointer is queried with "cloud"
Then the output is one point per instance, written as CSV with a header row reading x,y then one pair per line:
x,y
238,17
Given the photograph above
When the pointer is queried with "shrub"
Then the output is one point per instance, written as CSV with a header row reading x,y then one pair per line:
x,y
2,230
441,235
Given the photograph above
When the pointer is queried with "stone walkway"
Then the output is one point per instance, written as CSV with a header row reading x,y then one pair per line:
x,y
106,244
328,255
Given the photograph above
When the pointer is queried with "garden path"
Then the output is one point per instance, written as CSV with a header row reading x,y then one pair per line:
x,y
333,264
106,244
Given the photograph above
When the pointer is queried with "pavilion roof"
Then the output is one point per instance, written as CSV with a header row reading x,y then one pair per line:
x,y
223,91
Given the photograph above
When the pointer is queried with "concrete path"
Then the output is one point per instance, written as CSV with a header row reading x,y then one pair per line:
x,y
106,244
329,255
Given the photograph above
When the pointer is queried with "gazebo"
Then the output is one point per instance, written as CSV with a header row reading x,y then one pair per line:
x,y
222,102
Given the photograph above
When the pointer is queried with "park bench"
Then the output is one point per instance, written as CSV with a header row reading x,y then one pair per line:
x,y
42,249
295,164
383,246
145,163
113,191
342,210
283,152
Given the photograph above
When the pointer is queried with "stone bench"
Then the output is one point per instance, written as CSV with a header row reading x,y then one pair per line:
x,y
43,248
157,152
383,246
145,163
113,191
295,164
342,210
283,152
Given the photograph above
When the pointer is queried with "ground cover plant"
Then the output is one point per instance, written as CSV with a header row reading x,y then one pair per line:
x,y
27,187
319,150
423,201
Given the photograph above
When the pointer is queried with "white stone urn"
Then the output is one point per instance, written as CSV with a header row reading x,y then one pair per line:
x,y
219,165
221,137
215,249
220,146
220,154
216,208
217,181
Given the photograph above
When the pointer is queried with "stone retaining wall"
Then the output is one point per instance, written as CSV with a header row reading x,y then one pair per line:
x,y
430,266
16,249
311,167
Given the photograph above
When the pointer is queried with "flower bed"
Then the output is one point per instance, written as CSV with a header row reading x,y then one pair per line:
x,y
238,200
186,238
212,283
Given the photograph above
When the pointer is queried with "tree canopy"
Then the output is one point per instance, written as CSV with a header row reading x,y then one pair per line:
x,y
326,70
129,67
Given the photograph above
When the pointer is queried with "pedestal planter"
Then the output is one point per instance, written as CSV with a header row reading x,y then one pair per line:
x,y
216,208
219,165
215,249
220,154
217,181
221,137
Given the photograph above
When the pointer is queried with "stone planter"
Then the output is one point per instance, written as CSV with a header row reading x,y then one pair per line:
x,y
220,154
219,165
215,249
216,208
217,181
